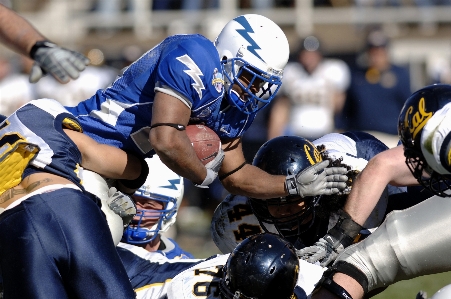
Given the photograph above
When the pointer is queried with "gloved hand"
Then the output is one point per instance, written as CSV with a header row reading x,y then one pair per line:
x,y
317,180
212,169
61,63
122,205
326,250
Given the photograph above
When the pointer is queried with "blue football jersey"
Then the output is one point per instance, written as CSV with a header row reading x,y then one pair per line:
x,y
184,66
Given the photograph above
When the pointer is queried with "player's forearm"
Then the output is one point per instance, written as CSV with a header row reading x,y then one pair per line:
x,y
385,168
105,160
175,151
350,285
16,32
253,182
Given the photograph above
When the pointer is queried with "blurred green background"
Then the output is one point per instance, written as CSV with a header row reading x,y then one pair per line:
x,y
408,289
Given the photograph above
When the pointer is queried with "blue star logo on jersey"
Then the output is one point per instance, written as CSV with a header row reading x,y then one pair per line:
x,y
194,72
245,34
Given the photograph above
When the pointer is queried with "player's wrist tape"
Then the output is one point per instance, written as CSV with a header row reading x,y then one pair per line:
x,y
211,176
41,44
139,181
291,184
345,230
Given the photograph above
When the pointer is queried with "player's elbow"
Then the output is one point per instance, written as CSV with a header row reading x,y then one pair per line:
x,y
164,145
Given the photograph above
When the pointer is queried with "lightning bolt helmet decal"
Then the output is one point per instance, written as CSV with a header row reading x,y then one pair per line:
x,y
245,34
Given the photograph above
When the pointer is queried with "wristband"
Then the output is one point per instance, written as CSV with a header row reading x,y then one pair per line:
x,y
291,185
211,176
332,287
139,181
41,44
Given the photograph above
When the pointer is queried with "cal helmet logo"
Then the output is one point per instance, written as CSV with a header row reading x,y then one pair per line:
x,y
312,153
217,81
417,119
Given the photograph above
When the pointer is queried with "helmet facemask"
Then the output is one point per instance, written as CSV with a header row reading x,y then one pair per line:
x,y
259,90
437,183
291,225
138,233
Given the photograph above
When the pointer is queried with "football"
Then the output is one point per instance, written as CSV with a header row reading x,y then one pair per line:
x,y
205,141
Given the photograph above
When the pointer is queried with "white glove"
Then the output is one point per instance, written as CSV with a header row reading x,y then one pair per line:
x,y
61,63
325,251
212,169
122,205
317,180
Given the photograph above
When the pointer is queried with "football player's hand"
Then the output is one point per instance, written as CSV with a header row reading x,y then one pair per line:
x,y
212,169
324,252
61,63
317,179
122,205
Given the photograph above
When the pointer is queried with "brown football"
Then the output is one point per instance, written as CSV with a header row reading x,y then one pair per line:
x,y
205,142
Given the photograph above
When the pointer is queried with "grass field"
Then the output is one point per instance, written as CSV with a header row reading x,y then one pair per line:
x,y
408,289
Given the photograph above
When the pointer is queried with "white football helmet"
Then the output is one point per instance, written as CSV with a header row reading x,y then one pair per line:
x,y
255,45
164,185
233,221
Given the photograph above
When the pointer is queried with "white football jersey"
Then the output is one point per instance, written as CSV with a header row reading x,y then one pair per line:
x,y
312,96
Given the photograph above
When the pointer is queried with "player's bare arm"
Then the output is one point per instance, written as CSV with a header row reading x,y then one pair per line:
x,y
247,180
16,32
388,167
105,160
173,146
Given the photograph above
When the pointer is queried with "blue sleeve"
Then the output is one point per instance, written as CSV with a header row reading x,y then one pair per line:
x,y
189,70
143,272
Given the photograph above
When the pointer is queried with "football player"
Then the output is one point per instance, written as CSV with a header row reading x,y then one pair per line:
x,y
46,216
302,220
188,79
414,241
262,266
157,203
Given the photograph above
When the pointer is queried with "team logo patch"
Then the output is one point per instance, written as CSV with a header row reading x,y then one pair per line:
x,y
218,81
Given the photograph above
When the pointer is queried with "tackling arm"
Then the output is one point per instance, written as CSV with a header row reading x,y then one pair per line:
x,y
105,160
387,167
